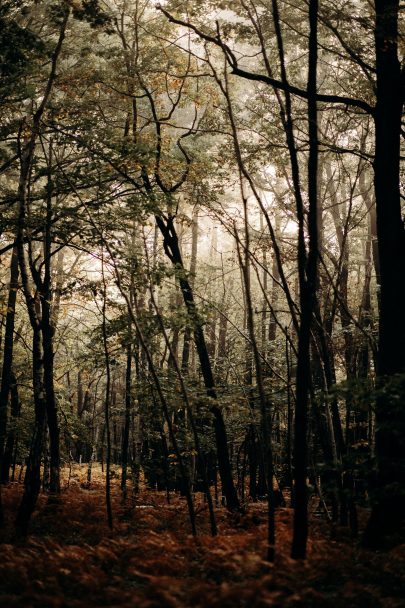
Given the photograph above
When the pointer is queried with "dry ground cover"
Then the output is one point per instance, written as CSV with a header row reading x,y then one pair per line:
x,y
150,560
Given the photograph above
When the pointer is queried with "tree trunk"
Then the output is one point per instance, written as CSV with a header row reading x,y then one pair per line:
x,y
127,422
193,267
172,250
32,476
107,413
32,481
11,442
307,298
265,407
44,287
389,501
7,362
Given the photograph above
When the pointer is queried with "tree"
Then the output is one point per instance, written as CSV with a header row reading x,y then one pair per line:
x,y
387,117
390,496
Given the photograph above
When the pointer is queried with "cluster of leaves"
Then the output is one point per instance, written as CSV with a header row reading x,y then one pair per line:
x,y
19,48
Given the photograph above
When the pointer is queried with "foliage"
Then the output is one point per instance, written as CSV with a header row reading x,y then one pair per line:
x,y
150,559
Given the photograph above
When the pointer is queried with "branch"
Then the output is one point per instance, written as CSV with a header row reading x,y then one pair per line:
x,y
277,84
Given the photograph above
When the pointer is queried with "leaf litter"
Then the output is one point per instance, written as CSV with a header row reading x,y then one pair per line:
x,y
150,560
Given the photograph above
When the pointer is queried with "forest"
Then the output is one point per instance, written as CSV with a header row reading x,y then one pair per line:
x,y
202,303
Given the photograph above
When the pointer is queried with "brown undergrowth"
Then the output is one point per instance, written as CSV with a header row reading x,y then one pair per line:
x,y
150,560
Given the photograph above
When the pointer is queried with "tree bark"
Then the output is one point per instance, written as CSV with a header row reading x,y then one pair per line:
x,y
48,330
307,298
172,250
127,421
389,501
8,357
193,267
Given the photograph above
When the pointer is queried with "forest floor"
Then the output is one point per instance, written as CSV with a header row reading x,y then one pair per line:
x,y
150,560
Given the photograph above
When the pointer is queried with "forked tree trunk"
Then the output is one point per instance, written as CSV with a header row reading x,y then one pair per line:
x,y
32,481
172,250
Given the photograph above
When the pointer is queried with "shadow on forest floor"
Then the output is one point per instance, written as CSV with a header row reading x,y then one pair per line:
x,y
150,560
